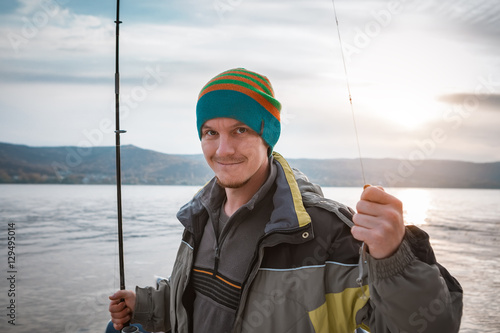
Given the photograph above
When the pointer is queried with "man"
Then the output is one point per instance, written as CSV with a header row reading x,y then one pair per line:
x,y
264,251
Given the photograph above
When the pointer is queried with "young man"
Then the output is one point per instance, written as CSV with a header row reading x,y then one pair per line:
x,y
264,251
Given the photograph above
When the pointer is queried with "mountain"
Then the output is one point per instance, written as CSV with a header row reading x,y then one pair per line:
x,y
96,165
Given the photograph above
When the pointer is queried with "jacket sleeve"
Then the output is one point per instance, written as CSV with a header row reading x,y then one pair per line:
x,y
152,307
411,292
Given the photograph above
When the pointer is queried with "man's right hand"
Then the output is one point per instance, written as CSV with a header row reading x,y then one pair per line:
x,y
121,307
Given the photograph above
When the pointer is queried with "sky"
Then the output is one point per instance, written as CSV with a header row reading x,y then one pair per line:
x,y
424,76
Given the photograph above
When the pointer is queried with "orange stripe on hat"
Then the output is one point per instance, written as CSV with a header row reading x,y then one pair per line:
x,y
255,76
233,78
254,94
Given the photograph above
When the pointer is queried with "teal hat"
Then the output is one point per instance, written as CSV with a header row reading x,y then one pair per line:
x,y
242,95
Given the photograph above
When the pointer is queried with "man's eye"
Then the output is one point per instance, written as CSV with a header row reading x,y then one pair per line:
x,y
241,130
210,132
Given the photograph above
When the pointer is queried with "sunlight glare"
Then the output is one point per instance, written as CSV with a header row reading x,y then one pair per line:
x,y
410,109
416,204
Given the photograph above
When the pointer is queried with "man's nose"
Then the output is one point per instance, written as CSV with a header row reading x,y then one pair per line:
x,y
226,146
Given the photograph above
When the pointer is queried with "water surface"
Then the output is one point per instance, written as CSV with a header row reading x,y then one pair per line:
x,y
67,253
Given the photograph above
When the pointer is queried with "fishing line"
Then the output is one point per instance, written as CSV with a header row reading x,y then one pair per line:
x,y
363,248
350,97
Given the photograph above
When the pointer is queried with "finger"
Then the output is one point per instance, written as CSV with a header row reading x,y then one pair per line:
x,y
121,317
115,302
362,234
365,207
117,307
372,232
369,185
373,216
372,193
371,222
120,294
114,296
357,234
375,231
378,195
118,324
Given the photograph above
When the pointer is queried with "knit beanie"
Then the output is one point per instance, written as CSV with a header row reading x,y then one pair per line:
x,y
242,95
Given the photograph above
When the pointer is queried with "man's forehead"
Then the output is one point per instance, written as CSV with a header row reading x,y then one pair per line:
x,y
229,122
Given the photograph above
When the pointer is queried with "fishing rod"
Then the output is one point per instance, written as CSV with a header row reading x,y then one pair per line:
x,y
118,131
128,328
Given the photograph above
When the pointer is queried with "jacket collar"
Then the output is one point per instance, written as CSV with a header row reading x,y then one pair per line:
x,y
287,194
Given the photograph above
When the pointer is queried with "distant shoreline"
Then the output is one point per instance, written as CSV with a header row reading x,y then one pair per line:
x,y
201,185
20,164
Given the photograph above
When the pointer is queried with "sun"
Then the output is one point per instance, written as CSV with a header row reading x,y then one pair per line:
x,y
409,108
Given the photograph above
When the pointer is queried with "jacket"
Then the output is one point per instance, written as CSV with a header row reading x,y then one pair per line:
x,y
311,275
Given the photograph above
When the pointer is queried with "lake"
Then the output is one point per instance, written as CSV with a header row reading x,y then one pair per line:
x,y
66,252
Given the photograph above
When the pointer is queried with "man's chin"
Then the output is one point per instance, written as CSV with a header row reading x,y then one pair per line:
x,y
231,184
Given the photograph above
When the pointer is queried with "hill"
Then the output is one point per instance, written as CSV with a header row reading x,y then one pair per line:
x,y
96,165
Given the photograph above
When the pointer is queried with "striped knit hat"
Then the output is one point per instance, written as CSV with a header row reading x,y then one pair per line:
x,y
242,95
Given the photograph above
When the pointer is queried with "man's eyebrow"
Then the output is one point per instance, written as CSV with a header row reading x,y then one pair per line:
x,y
236,125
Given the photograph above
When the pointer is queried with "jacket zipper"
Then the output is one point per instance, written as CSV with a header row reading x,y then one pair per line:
x,y
218,244
217,256
219,241
255,264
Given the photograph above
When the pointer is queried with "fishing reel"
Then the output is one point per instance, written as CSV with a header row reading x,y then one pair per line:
x,y
130,329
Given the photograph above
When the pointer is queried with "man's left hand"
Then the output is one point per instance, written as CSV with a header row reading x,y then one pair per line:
x,y
379,222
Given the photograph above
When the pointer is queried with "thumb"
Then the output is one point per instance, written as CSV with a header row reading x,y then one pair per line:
x,y
120,294
376,186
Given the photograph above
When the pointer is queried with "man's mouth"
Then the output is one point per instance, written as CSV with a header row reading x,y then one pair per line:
x,y
228,161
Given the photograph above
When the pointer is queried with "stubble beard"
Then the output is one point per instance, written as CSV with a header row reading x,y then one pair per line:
x,y
233,184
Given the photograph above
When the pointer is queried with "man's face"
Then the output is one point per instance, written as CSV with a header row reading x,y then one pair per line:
x,y
235,152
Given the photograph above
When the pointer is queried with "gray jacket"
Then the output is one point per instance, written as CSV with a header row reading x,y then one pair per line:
x,y
311,275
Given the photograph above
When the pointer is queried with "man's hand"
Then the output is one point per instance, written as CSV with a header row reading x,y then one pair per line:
x,y
121,307
379,222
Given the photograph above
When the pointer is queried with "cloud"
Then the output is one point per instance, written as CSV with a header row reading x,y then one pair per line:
x,y
474,23
482,15
51,41
490,102
63,59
